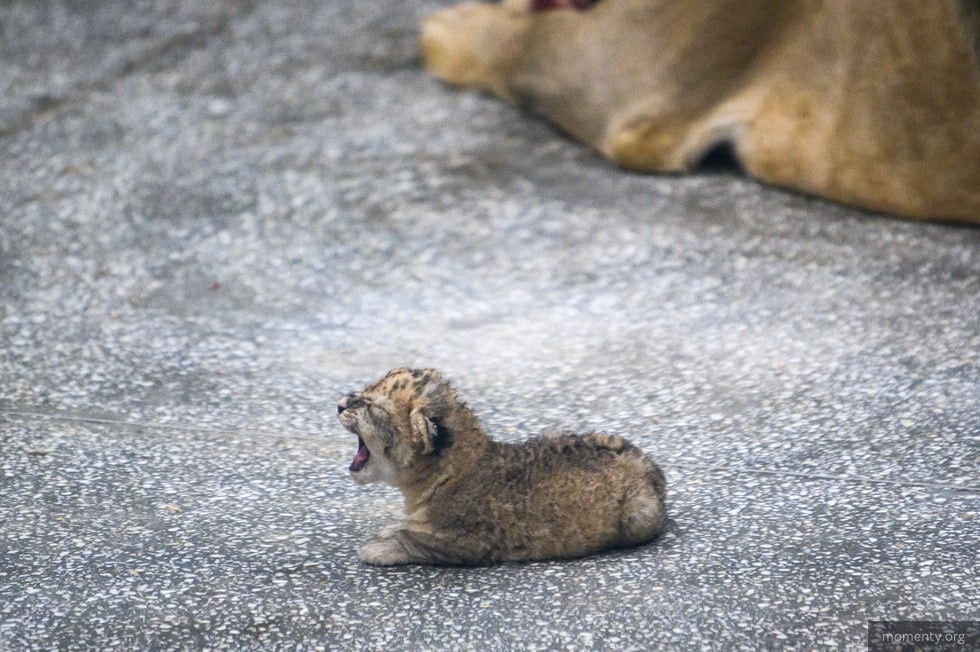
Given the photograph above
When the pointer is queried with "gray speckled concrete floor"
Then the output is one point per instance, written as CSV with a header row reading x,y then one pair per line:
x,y
217,217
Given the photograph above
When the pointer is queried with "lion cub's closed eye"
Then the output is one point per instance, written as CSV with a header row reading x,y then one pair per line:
x,y
472,500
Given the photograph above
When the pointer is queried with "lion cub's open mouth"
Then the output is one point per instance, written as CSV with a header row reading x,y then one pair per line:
x,y
361,458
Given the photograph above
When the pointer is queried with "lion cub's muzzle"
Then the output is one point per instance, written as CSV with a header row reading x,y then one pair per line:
x,y
345,406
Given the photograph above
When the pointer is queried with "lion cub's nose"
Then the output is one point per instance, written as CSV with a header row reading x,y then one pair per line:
x,y
350,401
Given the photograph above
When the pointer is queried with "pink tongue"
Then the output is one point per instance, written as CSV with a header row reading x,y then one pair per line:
x,y
361,458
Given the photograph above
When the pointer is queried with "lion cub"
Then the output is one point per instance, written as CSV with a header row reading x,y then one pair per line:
x,y
471,500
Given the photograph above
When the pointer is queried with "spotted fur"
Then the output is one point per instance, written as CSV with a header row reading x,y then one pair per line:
x,y
471,500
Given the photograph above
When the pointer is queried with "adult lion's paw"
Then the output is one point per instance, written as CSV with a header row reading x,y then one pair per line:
x,y
472,45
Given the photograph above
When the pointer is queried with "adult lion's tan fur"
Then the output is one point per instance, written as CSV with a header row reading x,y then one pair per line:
x,y
874,103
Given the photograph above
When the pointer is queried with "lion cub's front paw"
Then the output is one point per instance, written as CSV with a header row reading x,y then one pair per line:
x,y
384,552
389,531
473,45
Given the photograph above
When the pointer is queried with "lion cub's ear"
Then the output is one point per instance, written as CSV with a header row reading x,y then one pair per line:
x,y
424,431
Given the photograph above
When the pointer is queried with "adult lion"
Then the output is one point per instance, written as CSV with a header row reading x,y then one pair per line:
x,y
874,103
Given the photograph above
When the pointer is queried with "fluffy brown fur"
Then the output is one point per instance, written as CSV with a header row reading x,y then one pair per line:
x,y
874,103
470,500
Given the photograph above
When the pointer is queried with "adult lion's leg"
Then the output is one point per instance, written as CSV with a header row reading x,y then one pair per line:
x,y
475,45
635,79
552,61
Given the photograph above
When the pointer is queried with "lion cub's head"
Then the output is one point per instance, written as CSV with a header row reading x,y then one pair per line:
x,y
398,421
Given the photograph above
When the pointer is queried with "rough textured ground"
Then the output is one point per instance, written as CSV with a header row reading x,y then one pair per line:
x,y
216,218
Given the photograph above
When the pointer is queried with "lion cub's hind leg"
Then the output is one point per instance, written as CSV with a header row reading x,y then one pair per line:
x,y
644,517
644,521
